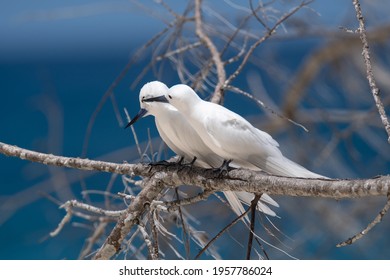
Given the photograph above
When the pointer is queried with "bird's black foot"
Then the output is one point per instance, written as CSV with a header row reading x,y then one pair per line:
x,y
162,163
223,169
180,161
169,163
190,164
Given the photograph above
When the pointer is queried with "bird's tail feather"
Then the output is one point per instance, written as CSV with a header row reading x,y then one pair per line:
x,y
248,197
236,200
282,166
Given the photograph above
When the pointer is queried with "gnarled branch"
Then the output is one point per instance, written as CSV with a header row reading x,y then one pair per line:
x,y
237,180
159,177
370,76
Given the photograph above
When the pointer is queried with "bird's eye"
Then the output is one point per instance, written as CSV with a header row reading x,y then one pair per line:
x,y
170,97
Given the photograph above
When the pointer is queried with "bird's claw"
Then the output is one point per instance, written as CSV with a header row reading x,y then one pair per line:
x,y
162,163
223,170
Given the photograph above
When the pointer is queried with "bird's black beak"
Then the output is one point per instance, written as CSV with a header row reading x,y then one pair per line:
x,y
161,99
140,114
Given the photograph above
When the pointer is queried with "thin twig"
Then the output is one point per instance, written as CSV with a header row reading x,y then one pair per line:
x,y
370,76
126,196
152,187
252,225
113,85
148,241
364,232
134,133
66,219
178,51
69,205
261,104
152,215
206,66
184,226
269,33
328,54
170,206
218,92
98,232
219,234
262,248
238,55
254,12
91,209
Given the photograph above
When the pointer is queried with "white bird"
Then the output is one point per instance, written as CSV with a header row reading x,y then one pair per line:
x,y
181,138
232,137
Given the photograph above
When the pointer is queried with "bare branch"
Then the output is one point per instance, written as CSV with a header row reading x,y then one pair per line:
x,y
186,239
252,225
254,12
261,104
370,76
218,92
178,51
114,84
152,215
170,206
221,232
364,232
98,232
66,219
312,65
148,241
71,204
92,209
269,33
160,177
112,245
237,180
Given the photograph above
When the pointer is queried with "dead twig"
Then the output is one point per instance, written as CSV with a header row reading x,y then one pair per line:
x,y
219,234
364,232
252,225
148,241
186,239
269,33
238,180
152,215
112,245
91,241
263,105
218,92
370,76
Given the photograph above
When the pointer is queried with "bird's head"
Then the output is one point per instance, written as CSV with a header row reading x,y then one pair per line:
x,y
151,96
182,97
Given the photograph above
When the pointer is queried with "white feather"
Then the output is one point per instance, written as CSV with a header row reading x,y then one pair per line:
x,y
181,138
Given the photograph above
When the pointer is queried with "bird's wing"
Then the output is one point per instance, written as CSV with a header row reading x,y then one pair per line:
x,y
232,132
179,135
239,140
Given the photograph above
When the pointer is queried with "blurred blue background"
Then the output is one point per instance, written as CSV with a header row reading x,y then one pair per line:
x,y
56,62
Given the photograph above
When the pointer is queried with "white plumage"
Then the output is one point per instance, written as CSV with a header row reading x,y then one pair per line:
x,y
232,137
181,138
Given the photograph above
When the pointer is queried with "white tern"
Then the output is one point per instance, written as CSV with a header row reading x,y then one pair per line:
x,y
181,138
232,137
